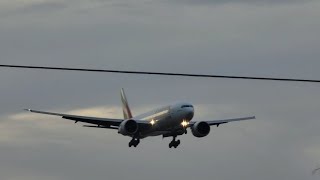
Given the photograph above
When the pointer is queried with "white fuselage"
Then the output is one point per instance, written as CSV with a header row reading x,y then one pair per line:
x,y
167,119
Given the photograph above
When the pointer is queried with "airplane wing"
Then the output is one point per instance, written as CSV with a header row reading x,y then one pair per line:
x,y
105,122
218,122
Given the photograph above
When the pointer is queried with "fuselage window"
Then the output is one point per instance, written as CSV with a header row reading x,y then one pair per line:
x,y
185,106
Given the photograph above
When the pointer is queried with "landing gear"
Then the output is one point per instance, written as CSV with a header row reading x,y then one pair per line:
x,y
134,142
174,143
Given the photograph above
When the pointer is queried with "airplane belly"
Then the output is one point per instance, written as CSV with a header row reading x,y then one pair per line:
x,y
163,123
162,126
166,123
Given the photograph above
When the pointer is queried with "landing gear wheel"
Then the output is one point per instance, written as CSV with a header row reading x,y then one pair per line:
x,y
178,142
134,142
174,143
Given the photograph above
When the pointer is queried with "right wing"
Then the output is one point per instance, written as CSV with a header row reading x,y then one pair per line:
x,y
104,122
107,122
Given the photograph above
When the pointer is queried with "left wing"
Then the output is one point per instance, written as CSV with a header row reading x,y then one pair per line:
x,y
218,122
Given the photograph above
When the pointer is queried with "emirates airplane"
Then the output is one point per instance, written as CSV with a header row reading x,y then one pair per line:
x,y
168,121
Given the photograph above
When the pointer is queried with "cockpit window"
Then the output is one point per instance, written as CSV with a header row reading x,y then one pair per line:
x,y
185,106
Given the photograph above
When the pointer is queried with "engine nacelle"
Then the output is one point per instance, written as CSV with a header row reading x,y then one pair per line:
x,y
200,129
128,127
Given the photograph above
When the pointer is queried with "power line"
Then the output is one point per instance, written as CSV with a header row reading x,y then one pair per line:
x,y
160,73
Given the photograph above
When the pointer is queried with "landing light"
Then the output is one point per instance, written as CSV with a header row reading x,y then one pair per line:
x,y
152,122
184,123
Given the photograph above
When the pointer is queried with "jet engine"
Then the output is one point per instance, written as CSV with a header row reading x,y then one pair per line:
x,y
128,127
200,129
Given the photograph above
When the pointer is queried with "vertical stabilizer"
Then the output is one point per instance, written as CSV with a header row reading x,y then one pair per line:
x,y
125,106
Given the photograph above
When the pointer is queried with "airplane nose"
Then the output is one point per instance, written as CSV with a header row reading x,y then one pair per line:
x,y
189,115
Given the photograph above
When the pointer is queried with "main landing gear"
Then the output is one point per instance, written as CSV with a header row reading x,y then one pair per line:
x,y
134,142
174,143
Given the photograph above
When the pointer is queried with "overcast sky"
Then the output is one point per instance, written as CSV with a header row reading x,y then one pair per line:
x,y
273,38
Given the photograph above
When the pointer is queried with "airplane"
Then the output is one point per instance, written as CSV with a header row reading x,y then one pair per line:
x,y
167,121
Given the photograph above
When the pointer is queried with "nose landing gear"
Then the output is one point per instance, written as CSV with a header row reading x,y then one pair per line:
x,y
174,143
134,142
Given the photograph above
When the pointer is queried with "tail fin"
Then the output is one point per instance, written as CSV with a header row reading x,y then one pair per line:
x,y
125,106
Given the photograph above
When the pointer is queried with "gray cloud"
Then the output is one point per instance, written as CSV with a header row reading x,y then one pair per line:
x,y
32,8
248,2
43,7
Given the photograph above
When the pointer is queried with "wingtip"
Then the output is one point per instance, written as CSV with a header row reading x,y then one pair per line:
x,y
28,110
